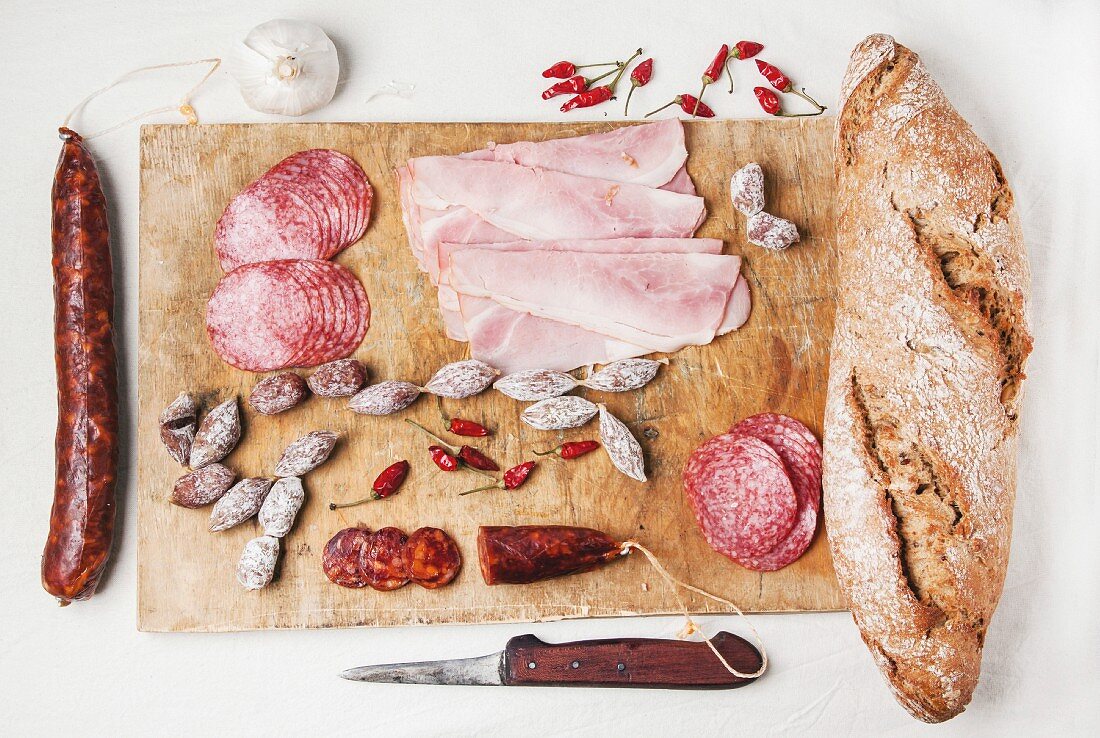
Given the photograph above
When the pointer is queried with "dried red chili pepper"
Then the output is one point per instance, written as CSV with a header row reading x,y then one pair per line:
x,y
588,98
639,78
712,73
783,83
574,84
476,459
571,449
460,426
514,478
689,104
746,49
769,101
470,457
385,485
442,459
564,69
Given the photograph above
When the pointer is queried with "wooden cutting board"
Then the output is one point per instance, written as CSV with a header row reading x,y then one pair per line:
x,y
777,362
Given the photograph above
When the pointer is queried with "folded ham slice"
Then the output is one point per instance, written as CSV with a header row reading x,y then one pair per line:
x,y
512,341
448,298
541,204
660,301
651,154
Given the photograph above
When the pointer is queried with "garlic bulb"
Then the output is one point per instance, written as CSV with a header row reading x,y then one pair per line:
x,y
285,67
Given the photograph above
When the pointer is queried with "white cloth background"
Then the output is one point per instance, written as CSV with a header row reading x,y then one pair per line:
x,y
1024,73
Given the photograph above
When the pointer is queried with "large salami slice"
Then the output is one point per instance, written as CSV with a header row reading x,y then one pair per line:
x,y
311,205
277,314
801,454
741,495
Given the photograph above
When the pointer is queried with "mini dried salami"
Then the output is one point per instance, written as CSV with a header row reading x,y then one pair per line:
x,y
256,567
306,453
241,502
343,556
764,229
432,557
217,435
383,563
741,496
278,393
177,427
281,507
747,189
202,486
340,378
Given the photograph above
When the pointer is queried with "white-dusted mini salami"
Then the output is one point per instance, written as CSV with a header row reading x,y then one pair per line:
x,y
217,435
281,506
559,413
622,447
747,189
177,427
306,454
384,398
241,502
535,384
771,232
624,375
462,379
257,563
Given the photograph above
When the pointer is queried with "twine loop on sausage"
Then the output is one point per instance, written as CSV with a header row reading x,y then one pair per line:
x,y
184,107
689,626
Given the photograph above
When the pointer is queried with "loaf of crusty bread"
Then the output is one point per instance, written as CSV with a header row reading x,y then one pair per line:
x,y
927,359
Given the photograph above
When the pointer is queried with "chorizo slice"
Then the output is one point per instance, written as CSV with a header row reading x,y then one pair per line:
x,y
383,561
343,556
529,553
432,557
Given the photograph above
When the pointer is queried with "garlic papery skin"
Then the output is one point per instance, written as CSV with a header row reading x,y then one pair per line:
x,y
285,67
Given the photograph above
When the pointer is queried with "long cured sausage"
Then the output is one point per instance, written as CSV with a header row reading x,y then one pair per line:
x,y
83,516
528,553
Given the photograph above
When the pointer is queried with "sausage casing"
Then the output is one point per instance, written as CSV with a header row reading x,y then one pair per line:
x,y
527,553
83,514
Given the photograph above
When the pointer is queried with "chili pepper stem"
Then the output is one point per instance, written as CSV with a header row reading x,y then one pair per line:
x,y
439,404
551,452
729,73
622,69
799,115
626,110
480,489
699,99
807,98
601,64
453,451
608,73
673,102
338,505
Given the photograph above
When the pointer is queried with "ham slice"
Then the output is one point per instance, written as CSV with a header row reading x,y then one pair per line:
x,y
512,341
541,204
651,154
448,298
660,301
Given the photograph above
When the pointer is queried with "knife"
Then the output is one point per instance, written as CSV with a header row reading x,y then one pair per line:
x,y
611,662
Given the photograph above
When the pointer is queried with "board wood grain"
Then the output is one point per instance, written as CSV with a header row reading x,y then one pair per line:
x,y
776,362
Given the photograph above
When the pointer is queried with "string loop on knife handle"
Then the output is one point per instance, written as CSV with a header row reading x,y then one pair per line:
x,y
690,626
184,107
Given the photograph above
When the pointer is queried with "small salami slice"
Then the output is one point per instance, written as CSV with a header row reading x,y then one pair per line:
x,y
432,557
343,556
741,495
383,561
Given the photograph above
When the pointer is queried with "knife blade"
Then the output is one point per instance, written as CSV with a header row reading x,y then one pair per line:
x,y
612,662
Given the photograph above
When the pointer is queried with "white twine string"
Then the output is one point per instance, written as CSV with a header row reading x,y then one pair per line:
x,y
690,626
184,107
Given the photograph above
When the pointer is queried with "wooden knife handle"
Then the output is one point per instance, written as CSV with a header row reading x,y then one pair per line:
x,y
629,662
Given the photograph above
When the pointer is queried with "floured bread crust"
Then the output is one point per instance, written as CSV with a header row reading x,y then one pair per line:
x,y
927,359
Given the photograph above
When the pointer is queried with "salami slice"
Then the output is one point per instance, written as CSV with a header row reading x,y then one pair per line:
x,y
343,556
801,454
311,205
257,316
432,557
740,494
383,561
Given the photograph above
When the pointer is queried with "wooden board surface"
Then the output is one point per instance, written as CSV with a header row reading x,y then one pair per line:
x,y
777,362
